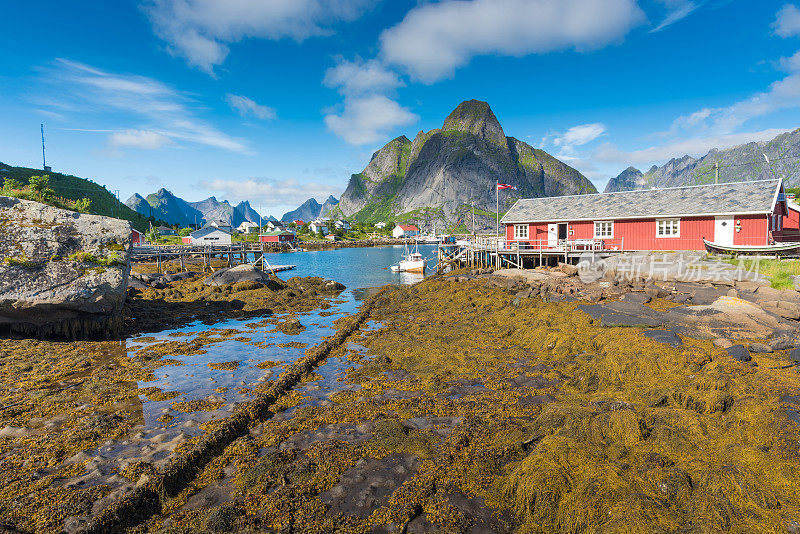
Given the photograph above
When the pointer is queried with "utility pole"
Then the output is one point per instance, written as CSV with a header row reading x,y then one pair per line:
x,y
716,172
473,216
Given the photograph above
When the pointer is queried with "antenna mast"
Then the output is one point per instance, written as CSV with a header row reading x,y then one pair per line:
x,y
44,161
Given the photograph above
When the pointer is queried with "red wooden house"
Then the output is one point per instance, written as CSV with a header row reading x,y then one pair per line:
x,y
137,237
277,236
677,218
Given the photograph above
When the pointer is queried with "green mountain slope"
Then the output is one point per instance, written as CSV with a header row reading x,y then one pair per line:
x,y
75,188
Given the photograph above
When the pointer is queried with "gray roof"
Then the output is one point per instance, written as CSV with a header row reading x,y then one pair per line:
x,y
208,230
714,199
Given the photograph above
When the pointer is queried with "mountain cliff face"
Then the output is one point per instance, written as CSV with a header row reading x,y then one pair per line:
x,y
165,206
737,164
438,175
329,207
308,211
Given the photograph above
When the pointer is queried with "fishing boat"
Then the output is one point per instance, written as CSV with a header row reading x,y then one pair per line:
x,y
427,239
775,248
412,262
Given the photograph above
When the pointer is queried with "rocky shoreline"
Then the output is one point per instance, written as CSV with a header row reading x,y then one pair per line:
x,y
62,274
478,401
361,243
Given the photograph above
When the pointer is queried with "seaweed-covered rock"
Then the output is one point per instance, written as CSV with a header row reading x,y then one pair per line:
x,y
62,274
243,273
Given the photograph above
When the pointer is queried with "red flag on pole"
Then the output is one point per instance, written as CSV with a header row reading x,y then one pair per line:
x,y
504,186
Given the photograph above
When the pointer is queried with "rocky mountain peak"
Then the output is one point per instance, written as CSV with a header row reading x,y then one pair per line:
x,y
440,174
477,118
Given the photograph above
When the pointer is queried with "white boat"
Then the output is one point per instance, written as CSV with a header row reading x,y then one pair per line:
x,y
427,239
412,262
775,248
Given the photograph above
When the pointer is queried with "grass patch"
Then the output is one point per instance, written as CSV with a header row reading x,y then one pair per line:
x,y
88,257
20,261
779,272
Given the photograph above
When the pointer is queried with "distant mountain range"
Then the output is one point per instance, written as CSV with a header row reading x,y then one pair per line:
x,y
436,177
311,209
165,206
740,163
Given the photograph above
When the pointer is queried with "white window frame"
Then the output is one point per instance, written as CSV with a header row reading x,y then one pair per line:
x,y
518,231
603,234
661,226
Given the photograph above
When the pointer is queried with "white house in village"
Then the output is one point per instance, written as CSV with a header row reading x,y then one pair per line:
x,y
275,226
222,225
405,230
342,225
380,225
318,225
210,235
248,227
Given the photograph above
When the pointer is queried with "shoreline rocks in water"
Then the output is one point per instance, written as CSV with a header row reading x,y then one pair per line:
x,y
62,274
171,300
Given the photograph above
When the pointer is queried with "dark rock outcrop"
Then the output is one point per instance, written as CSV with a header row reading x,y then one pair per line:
x,y
243,274
62,274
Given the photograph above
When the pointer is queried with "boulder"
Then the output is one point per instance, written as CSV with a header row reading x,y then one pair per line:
x,y
782,308
332,285
761,348
522,275
638,298
243,273
723,343
664,336
62,274
569,270
739,353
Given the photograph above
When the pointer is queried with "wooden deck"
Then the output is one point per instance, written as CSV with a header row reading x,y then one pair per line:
x,y
234,254
491,251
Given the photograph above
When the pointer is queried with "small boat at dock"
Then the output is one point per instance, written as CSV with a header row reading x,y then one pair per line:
x,y
775,248
412,262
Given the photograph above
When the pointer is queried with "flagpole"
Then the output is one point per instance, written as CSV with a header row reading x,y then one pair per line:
x,y
497,207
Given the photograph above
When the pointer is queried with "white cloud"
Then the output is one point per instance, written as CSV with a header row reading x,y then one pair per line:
x,y
676,10
200,30
246,106
138,139
787,23
694,147
780,95
436,38
579,135
368,119
269,192
157,107
360,77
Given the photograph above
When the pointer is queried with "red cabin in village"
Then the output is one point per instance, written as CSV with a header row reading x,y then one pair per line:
x,y
278,236
137,237
677,218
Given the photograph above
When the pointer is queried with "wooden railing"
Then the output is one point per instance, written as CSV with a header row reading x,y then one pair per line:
x,y
501,244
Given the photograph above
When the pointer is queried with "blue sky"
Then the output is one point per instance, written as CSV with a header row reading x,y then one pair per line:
x,y
275,101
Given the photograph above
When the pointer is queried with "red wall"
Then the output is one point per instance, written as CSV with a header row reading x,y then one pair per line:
x,y
276,238
792,219
640,234
755,230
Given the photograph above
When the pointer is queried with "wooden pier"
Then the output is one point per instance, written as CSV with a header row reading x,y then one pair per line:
x,y
500,253
233,254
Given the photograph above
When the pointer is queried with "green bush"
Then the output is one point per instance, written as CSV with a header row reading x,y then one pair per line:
x,y
11,184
